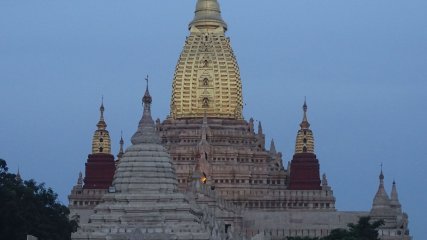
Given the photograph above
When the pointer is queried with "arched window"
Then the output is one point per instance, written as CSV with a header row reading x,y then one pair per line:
x,y
205,102
205,82
304,149
101,149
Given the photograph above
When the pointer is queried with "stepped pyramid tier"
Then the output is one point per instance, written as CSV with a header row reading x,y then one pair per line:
x,y
143,202
207,78
304,167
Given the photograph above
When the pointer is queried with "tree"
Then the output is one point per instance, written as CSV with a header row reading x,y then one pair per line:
x,y
30,208
363,230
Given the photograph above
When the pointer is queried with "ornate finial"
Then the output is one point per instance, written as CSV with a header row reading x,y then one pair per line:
x,y
101,123
146,79
208,15
121,138
146,132
102,107
381,175
147,97
305,124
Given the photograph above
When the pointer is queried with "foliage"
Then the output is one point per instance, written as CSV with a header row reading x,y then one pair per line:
x,y
301,238
363,230
29,208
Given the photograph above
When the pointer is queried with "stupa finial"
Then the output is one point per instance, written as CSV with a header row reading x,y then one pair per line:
x,y
146,132
208,15
101,123
305,124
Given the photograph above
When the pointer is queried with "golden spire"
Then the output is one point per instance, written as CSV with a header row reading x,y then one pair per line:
x,y
207,77
101,142
305,139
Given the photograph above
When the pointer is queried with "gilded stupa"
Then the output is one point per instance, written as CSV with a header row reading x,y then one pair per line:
x,y
207,78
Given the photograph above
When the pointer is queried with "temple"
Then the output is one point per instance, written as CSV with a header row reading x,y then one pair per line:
x,y
204,172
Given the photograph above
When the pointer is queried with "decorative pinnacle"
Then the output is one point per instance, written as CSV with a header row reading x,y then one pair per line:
x,y
146,132
272,147
381,175
260,132
80,179
208,15
121,152
305,124
121,138
147,97
18,176
101,123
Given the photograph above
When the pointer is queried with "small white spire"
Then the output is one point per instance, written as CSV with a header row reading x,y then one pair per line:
x,y
80,179
272,147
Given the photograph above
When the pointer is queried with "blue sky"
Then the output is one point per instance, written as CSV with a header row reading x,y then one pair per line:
x,y
361,64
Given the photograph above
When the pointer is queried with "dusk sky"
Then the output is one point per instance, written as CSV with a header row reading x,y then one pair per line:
x,y
361,64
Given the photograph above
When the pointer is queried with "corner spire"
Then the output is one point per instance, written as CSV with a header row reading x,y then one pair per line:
x,y
146,132
121,151
381,200
394,200
260,132
208,16
18,176
272,147
80,179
